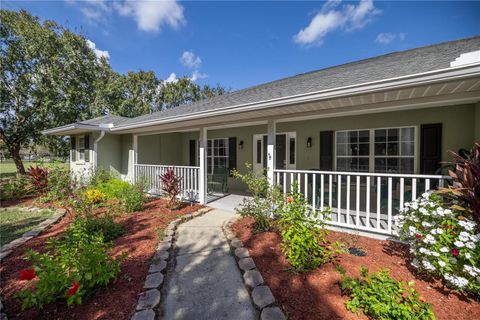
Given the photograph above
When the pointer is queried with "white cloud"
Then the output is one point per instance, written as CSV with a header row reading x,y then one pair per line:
x,y
387,37
335,16
190,60
151,15
99,53
198,75
171,78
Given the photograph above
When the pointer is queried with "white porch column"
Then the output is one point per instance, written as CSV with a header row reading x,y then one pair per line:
x,y
202,175
271,150
133,157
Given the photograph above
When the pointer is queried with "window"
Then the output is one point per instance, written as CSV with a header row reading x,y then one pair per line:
x,y
353,150
376,150
395,150
217,154
81,148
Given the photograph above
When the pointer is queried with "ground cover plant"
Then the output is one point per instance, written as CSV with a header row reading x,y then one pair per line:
x,y
444,242
16,221
379,296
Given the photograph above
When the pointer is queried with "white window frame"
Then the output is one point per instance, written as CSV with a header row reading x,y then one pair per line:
x,y
213,156
372,156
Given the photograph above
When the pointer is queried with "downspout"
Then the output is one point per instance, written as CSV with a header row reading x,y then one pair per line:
x,y
95,145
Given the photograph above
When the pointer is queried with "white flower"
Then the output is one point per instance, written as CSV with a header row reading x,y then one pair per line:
x,y
435,254
444,249
470,245
459,244
429,239
475,238
425,224
427,265
467,225
464,236
415,263
471,270
459,282
468,255
441,263
452,260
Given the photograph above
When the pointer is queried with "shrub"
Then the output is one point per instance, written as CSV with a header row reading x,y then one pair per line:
x,y
70,269
131,196
104,225
465,192
263,204
39,178
94,196
171,186
381,297
113,188
15,188
60,185
304,241
100,176
443,241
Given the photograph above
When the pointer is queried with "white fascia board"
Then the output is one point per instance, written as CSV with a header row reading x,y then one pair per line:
x,y
392,83
69,129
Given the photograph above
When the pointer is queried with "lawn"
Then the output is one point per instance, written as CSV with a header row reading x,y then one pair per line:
x,y
15,222
8,169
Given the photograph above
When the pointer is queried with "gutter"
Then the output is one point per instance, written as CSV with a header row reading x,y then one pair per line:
x,y
374,86
69,127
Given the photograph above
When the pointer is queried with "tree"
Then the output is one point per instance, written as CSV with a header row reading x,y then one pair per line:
x,y
46,79
140,94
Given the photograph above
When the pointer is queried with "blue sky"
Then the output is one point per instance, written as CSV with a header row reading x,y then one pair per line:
x,y
240,44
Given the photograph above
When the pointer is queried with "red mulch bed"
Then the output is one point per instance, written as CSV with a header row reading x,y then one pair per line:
x,y
316,294
116,301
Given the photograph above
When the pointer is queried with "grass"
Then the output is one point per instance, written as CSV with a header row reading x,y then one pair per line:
x,y
8,169
15,222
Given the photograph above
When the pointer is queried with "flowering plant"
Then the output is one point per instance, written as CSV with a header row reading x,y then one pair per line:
x,y
442,241
94,196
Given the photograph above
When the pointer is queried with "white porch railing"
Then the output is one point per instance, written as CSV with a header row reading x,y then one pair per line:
x,y
151,173
360,201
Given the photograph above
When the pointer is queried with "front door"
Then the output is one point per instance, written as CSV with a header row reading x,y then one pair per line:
x,y
285,151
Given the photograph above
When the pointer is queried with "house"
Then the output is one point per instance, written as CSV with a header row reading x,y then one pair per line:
x,y
361,138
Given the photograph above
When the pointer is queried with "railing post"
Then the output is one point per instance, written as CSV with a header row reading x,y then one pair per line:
x,y
202,174
134,157
271,150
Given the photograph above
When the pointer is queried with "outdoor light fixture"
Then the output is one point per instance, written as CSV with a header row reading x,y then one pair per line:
x,y
309,142
240,145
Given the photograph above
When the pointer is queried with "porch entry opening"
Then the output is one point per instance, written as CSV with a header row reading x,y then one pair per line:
x,y
285,151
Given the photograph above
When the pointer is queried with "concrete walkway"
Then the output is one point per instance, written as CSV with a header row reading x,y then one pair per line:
x,y
204,282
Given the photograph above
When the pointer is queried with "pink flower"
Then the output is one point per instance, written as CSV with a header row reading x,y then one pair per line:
x,y
455,252
73,289
418,236
27,274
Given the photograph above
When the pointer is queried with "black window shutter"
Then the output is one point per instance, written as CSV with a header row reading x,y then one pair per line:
x,y
232,153
73,148
326,150
87,148
192,153
430,148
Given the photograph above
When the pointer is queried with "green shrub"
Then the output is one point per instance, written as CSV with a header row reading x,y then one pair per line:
x,y
100,176
15,188
131,196
70,269
381,297
265,199
304,241
113,188
60,184
104,225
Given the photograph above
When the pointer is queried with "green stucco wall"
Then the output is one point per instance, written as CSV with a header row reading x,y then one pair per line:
x,y
461,127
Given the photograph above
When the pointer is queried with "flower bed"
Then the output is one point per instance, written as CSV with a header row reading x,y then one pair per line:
x,y
317,295
115,301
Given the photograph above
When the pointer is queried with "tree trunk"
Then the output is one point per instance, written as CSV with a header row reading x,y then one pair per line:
x,y
15,153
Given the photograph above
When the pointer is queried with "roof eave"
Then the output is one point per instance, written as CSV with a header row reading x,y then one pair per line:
x,y
70,129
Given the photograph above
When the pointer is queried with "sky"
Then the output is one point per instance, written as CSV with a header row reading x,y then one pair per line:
x,y
241,44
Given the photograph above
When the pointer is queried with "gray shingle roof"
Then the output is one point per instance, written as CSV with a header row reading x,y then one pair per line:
x,y
383,67
116,120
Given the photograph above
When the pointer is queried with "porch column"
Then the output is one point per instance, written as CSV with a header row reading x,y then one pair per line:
x,y
271,150
202,174
133,157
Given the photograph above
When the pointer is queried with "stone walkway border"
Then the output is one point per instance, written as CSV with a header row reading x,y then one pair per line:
x,y
6,249
260,293
150,298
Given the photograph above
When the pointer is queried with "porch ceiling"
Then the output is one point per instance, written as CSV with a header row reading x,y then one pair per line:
x,y
452,92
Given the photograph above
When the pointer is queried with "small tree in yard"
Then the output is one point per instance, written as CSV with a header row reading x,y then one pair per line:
x,y
171,186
